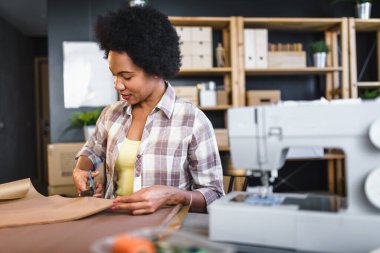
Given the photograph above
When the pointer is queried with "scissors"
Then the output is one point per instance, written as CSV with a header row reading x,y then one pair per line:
x,y
92,189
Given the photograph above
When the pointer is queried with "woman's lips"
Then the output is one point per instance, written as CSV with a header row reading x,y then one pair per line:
x,y
126,97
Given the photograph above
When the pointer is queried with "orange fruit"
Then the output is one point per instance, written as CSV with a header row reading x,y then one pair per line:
x,y
132,244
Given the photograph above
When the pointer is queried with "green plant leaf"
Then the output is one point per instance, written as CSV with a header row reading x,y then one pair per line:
x,y
370,93
319,47
81,119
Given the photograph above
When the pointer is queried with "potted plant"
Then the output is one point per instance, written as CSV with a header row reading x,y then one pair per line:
x,y
319,50
371,93
363,7
85,120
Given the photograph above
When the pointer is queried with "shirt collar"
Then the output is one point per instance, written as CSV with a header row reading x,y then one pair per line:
x,y
166,103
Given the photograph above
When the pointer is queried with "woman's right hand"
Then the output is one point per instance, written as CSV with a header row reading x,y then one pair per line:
x,y
80,178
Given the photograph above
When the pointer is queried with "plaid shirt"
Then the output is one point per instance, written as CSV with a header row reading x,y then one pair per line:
x,y
178,147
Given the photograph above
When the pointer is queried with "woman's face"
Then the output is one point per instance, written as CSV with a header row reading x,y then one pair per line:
x,y
131,81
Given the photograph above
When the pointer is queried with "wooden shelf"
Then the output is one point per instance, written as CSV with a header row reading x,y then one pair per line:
x,y
223,148
367,25
368,84
294,24
215,22
214,108
362,25
204,71
292,71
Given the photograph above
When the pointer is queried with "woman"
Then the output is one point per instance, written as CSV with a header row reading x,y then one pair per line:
x,y
159,149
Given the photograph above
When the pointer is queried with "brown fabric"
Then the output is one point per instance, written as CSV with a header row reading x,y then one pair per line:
x,y
21,189
50,209
75,236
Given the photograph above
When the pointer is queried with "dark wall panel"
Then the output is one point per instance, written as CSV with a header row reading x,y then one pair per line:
x,y
17,150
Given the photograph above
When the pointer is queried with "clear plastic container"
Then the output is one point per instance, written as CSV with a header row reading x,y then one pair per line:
x,y
175,238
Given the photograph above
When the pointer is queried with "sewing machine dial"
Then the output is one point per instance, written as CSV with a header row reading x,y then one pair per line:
x,y
374,133
372,187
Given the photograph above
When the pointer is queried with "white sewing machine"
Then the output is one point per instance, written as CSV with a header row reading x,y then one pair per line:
x,y
259,138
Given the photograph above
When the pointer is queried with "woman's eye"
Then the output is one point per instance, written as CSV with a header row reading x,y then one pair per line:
x,y
127,78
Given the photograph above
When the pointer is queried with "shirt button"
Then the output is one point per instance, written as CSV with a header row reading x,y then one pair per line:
x,y
138,156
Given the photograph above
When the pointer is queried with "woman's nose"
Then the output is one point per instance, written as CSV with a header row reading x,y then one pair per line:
x,y
118,83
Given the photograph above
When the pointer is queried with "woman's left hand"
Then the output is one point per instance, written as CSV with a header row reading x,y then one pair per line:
x,y
150,199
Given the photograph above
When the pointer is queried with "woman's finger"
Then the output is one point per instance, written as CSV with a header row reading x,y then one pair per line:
x,y
132,206
99,187
129,199
143,211
94,173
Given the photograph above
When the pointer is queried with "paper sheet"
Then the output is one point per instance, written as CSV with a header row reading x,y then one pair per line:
x,y
25,206
21,189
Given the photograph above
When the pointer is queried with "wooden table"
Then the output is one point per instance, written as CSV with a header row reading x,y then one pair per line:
x,y
74,236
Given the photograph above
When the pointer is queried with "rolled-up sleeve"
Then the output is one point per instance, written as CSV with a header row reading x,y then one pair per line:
x,y
95,147
204,160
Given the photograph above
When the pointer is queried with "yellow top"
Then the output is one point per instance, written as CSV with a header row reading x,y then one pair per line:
x,y
125,165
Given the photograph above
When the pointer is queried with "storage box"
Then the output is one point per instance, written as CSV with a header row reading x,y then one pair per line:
x,y
187,92
285,59
221,97
201,48
221,137
186,47
201,61
256,48
65,190
184,33
196,46
201,33
263,97
61,162
207,98
187,61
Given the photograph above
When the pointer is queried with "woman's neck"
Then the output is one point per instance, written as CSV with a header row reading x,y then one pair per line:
x,y
150,103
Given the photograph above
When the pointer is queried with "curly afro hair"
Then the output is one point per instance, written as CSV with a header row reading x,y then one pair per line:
x,y
146,35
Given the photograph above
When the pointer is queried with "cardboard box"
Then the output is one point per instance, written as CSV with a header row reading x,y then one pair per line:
x,y
263,97
187,92
286,59
61,162
221,137
221,97
65,190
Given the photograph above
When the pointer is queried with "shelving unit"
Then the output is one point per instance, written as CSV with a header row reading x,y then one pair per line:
x,y
361,25
336,74
292,71
335,32
226,26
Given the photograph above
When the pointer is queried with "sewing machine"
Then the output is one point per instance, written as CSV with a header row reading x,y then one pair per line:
x,y
259,139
